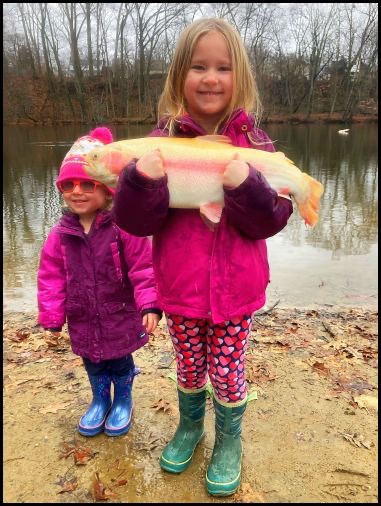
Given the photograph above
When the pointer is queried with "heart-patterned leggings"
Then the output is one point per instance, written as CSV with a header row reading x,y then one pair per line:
x,y
217,349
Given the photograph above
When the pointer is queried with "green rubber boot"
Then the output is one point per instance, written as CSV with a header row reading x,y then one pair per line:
x,y
177,455
224,471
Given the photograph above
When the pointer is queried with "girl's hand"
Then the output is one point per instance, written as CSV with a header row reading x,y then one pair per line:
x,y
150,321
151,165
236,171
52,337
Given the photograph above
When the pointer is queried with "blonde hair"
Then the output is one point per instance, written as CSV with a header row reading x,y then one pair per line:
x,y
245,93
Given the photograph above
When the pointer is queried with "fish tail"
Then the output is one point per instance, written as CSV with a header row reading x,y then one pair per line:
x,y
309,208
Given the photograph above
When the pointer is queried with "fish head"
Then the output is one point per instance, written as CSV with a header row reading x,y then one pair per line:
x,y
108,159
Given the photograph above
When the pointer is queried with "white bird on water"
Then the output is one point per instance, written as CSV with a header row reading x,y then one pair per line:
x,y
344,132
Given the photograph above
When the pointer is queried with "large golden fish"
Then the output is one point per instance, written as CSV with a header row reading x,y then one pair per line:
x,y
195,166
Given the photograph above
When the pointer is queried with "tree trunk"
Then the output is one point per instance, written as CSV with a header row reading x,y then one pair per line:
x,y
89,47
28,45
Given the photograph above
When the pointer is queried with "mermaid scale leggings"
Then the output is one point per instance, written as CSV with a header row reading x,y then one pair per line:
x,y
204,348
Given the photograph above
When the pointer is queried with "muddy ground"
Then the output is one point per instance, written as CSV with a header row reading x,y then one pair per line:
x,y
310,436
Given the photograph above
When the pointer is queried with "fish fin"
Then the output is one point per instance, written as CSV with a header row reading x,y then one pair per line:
x,y
211,226
310,207
284,194
212,212
215,138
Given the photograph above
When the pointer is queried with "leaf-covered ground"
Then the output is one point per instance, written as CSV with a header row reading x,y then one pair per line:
x,y
309,434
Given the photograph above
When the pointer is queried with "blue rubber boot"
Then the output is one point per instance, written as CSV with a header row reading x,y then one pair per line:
x,y
177,455
118,421
224,471
92,422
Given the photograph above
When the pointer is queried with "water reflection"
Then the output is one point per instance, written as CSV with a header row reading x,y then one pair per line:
x,y
346,165
348,169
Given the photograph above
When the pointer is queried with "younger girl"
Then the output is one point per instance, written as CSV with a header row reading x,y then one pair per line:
x,y
101,280
210,280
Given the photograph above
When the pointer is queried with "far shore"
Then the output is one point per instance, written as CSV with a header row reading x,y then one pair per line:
x,y
292,119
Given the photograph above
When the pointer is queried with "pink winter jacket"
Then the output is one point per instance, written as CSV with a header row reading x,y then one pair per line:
x,y
220,274
101,283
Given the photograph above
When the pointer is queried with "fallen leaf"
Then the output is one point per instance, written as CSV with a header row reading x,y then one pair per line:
x,y
76,362
259,373
356,384
100,491
247,494
166,360
68,450
16,335
67,485
81,454
320,368
287,343
53,408
350,352
366,401
357,440
52,342
164,405
149,445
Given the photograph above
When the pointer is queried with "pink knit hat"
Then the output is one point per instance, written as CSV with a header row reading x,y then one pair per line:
x,y
72,166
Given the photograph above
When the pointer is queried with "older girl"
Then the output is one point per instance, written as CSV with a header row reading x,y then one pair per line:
x,y
210,280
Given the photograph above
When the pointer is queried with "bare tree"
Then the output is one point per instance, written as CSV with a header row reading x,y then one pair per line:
x,y
290,66
357,42
319,22
151,21
107,65
73,30
29,38
51,35
305,56
87,8
43,7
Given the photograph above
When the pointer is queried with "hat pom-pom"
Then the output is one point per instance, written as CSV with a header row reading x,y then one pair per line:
x,y
102,134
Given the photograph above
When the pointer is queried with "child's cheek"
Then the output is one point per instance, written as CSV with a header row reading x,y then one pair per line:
x,y
66,198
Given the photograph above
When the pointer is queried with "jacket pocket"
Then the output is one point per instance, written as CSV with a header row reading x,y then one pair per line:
x,y
120,324
75,311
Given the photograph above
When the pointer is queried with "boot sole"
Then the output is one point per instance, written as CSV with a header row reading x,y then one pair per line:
x,y
217,489
90,432
120,430
174,467
224,493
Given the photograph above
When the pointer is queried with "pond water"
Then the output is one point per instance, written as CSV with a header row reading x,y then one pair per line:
x,y
333,263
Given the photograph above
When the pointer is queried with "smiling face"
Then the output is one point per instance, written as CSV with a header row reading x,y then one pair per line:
x,y
208,86
87,204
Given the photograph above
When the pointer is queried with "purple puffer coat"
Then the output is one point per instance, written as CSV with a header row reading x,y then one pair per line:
x,y
100,282
201,273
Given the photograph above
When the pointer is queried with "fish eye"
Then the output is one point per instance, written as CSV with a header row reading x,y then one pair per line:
x,y
95,156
